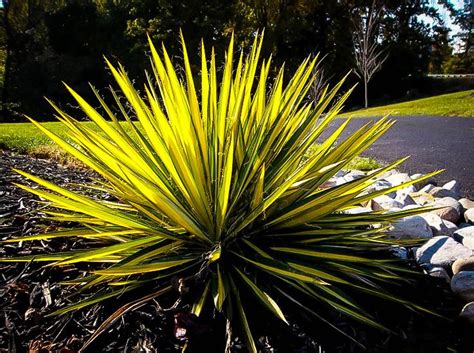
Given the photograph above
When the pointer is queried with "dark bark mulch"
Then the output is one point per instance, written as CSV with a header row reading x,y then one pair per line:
x,y
28,292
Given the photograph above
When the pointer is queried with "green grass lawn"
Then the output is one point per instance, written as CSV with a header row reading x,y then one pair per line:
x,y
454,104
26,138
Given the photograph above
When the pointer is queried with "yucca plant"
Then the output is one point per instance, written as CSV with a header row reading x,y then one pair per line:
x,y
213,183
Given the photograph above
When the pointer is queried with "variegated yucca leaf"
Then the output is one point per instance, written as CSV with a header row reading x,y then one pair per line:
x,y
214,182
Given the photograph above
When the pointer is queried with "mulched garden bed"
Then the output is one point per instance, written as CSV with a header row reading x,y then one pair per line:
x,y
28,292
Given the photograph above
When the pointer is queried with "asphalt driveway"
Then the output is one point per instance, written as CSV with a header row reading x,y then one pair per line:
x,y
432,142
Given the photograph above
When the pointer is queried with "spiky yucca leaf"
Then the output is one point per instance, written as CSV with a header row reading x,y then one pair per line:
x,y
213,181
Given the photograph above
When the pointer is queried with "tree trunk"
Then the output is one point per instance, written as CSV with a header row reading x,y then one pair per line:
x,y
365,93
8,56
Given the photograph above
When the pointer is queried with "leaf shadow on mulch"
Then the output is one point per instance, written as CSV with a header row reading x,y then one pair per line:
x,y
29,292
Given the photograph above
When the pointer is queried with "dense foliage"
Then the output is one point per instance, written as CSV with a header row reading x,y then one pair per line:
x,y
47,40
214,185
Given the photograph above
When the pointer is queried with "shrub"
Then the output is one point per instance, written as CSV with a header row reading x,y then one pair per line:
x,y
214,184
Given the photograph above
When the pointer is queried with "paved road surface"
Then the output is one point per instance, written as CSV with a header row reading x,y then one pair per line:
x,y
432,142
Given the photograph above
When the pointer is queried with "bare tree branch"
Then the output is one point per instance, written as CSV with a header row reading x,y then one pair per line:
x,y
321,81
368,56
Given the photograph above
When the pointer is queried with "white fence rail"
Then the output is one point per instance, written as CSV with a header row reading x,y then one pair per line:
x,y
451,75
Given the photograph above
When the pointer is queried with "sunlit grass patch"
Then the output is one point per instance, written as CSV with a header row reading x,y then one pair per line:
x,y
460,104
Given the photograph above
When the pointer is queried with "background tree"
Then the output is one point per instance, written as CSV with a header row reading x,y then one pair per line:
x,y
3,49
320,82
367,53
453,54
464,18
48,41
441,49
462,61
407,37
459,63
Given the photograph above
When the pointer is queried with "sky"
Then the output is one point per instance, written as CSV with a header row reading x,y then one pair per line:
x,y
454,29
444,13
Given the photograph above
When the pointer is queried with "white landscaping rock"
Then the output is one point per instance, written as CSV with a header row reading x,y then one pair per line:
x,y
451,210
427,188
400,252
448,214
394,209
440,192
388,173
387,202
423,198
340,173
441,251
340,180
405,200
329,184
462,284
416,176
451,227
375,206
407,190
453,185
467,313
381,184
466,204
465,236
469,216
358,210
465,264
449,201
353,175
439,272
411,207
411,227
397,179
437,225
